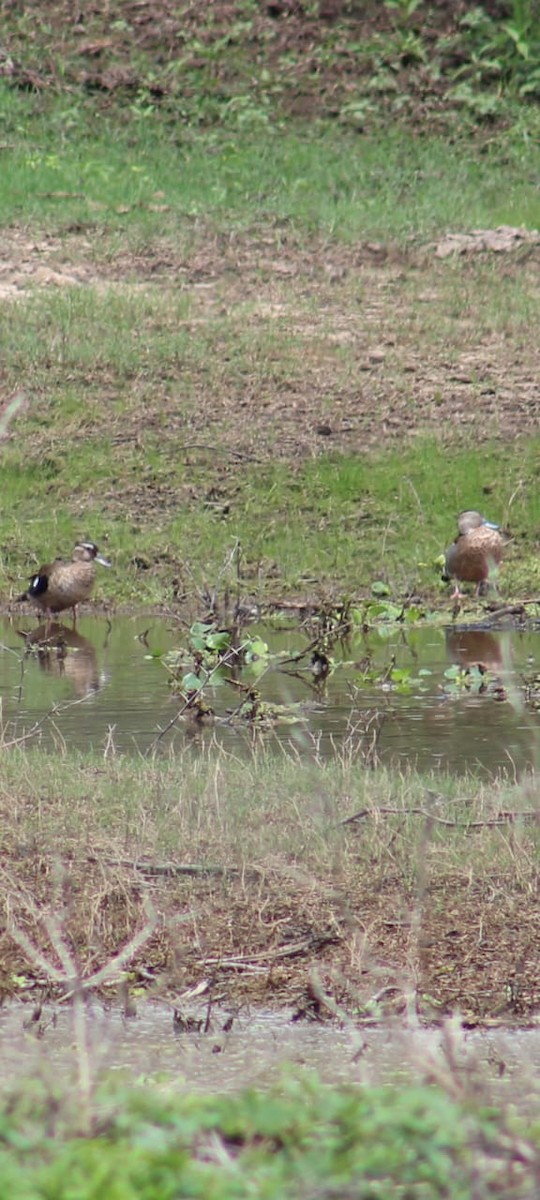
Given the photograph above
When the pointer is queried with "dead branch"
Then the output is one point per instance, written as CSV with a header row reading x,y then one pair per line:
x,y
70,976
503,818
169,870
294,950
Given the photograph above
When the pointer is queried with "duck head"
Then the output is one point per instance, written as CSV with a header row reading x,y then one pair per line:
x,y
88,552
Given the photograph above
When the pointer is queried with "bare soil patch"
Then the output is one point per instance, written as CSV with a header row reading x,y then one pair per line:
x,y
351,346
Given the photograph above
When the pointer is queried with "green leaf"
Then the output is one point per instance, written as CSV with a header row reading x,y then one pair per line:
x,y
220,640
384,610
191,682
256,667
200,629
380,589
257,649
400,675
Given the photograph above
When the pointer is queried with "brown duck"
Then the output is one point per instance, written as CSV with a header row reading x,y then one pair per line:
x,y
60,585
476,552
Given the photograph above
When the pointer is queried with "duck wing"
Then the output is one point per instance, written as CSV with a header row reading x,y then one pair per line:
x,y
450,558
38,583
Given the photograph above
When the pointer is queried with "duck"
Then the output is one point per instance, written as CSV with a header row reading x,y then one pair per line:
x,y
477,550
60,585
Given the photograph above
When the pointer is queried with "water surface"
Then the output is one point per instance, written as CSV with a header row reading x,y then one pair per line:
x,y
146,1047
107,685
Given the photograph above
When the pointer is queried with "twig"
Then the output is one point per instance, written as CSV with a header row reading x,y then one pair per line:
x,y
295,658
118,961
169,870
502,819
18,401
292,951
69,975
33,953
188,703
510,610
516,491
242,455
51,712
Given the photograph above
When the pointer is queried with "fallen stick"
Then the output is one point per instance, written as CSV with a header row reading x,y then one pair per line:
x,y
241,961
503,818
172,869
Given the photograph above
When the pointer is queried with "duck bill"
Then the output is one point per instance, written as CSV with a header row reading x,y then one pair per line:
x,y
104,561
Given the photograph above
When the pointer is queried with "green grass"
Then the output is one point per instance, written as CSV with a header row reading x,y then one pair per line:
x,y
298,1140
160,419
62,166
162,390
333,525
389,514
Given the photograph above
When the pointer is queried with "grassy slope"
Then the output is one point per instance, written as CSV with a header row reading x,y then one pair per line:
x,y
116,379
321,178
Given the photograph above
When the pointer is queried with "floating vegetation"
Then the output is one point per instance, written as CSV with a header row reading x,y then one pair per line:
x,y
477,680
217,655
253,710
213,655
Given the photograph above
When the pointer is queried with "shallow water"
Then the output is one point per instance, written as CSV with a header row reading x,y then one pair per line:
x,y
146,1047
107,685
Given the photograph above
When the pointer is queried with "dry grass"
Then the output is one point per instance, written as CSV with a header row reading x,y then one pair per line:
x,y
276,900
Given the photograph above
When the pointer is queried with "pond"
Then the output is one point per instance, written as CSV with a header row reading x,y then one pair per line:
x,y
416,695
251,1049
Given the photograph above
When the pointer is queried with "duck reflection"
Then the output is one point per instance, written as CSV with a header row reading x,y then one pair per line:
x,y
476,647
60,650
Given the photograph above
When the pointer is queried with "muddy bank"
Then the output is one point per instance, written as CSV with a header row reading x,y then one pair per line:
x,y
364,944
